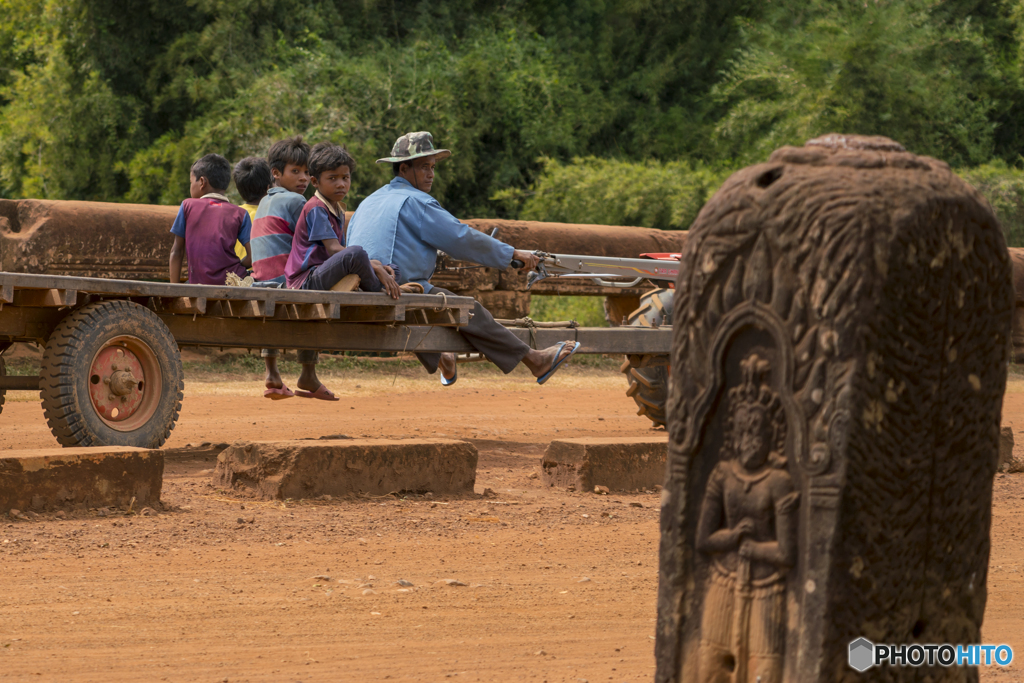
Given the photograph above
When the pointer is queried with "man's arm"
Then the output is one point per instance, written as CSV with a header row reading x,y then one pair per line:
x,y
443,231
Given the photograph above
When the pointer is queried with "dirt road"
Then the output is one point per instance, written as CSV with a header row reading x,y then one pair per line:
x,y
558,586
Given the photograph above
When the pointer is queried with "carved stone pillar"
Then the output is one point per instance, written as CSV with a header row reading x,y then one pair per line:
x,y
842,330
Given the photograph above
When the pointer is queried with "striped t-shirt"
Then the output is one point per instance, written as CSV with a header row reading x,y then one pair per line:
x,y
272,233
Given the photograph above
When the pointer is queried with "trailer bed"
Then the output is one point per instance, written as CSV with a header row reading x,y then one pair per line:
x,y
111,372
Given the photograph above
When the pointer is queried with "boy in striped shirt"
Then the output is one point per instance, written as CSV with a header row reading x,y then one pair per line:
x,y
272,233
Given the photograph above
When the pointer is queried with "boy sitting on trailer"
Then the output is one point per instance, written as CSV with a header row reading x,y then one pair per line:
x,y
252,180
272,233
208,225
319,258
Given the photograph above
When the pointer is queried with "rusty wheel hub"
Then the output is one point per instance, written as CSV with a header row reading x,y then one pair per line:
x,y
117,383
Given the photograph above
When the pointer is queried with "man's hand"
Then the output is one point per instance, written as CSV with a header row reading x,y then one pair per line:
x,y
387,278
529,259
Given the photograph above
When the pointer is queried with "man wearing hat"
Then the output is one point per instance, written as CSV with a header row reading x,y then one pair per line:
x,y
402,224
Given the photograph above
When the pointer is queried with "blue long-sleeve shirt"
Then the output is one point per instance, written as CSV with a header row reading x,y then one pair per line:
x,y
401,225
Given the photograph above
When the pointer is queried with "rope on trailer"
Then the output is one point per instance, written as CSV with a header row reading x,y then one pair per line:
x,y
533,326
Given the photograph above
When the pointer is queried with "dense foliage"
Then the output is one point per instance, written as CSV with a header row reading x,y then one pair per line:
x,y
584,110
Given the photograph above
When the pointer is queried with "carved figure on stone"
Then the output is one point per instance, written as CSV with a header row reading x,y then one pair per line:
x,y
842,324
748,529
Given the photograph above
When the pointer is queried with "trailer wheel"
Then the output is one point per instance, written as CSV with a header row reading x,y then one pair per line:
x,y
111,376
648,373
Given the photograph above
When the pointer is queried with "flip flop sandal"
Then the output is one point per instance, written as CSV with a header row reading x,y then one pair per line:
x,y
558,361
322,393
448,382
278,394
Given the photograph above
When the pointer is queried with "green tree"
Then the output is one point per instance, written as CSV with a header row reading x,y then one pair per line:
x,y
880,68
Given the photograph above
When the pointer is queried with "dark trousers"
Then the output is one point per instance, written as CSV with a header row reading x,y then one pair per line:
x,y
500,346
348,261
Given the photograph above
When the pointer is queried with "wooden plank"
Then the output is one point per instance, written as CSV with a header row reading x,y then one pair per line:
x,y
374,314
242,309
43,298
184,305
6,294
444,318
310,312
135,288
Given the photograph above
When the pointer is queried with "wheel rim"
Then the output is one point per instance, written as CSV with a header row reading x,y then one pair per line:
x,y
125,383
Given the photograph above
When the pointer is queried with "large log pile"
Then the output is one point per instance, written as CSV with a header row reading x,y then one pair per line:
x,y
131,241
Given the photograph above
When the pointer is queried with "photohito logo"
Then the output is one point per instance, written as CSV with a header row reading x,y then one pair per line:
x,y
864,654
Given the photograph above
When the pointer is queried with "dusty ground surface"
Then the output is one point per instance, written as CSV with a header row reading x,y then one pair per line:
x,y
559,586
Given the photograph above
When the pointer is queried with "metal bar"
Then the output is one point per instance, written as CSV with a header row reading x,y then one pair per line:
x,y
130,288
298,334
19,383
606,266
28,324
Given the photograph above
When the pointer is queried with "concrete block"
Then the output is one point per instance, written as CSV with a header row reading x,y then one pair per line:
x,y
622,464
109,476
306,469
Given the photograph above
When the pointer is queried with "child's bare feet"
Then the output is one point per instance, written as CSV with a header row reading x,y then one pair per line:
x,y
308,381
276,390
273,380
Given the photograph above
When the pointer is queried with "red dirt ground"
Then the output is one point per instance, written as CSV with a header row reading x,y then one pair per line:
x,y
559,586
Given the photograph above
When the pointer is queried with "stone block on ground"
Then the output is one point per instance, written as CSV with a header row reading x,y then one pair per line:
x,y
1005,448
207,449
620,464
307,469
109,476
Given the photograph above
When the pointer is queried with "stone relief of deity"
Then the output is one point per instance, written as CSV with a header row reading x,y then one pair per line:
x,y
748,529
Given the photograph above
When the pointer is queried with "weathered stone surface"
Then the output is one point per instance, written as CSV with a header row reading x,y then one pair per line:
x,y
109,476
1005,447
842,324
306,469
623,464
207,449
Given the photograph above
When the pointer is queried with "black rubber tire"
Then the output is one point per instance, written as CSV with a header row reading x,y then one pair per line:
x,y
3,392
648,374
66,365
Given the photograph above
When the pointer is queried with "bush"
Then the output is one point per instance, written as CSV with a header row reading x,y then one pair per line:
x,y
588,311
611,192
1004,189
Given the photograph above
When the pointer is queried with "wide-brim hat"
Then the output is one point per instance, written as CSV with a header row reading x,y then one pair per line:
x,y
414,146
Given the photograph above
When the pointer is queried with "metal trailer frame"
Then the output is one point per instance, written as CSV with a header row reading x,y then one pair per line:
x,y
33,306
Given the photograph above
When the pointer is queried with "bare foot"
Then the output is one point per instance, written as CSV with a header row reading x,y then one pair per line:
x,y
308,381
447,365
540,361
273,380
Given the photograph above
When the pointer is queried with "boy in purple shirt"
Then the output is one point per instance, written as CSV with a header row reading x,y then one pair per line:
x,y
319,258
207,227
